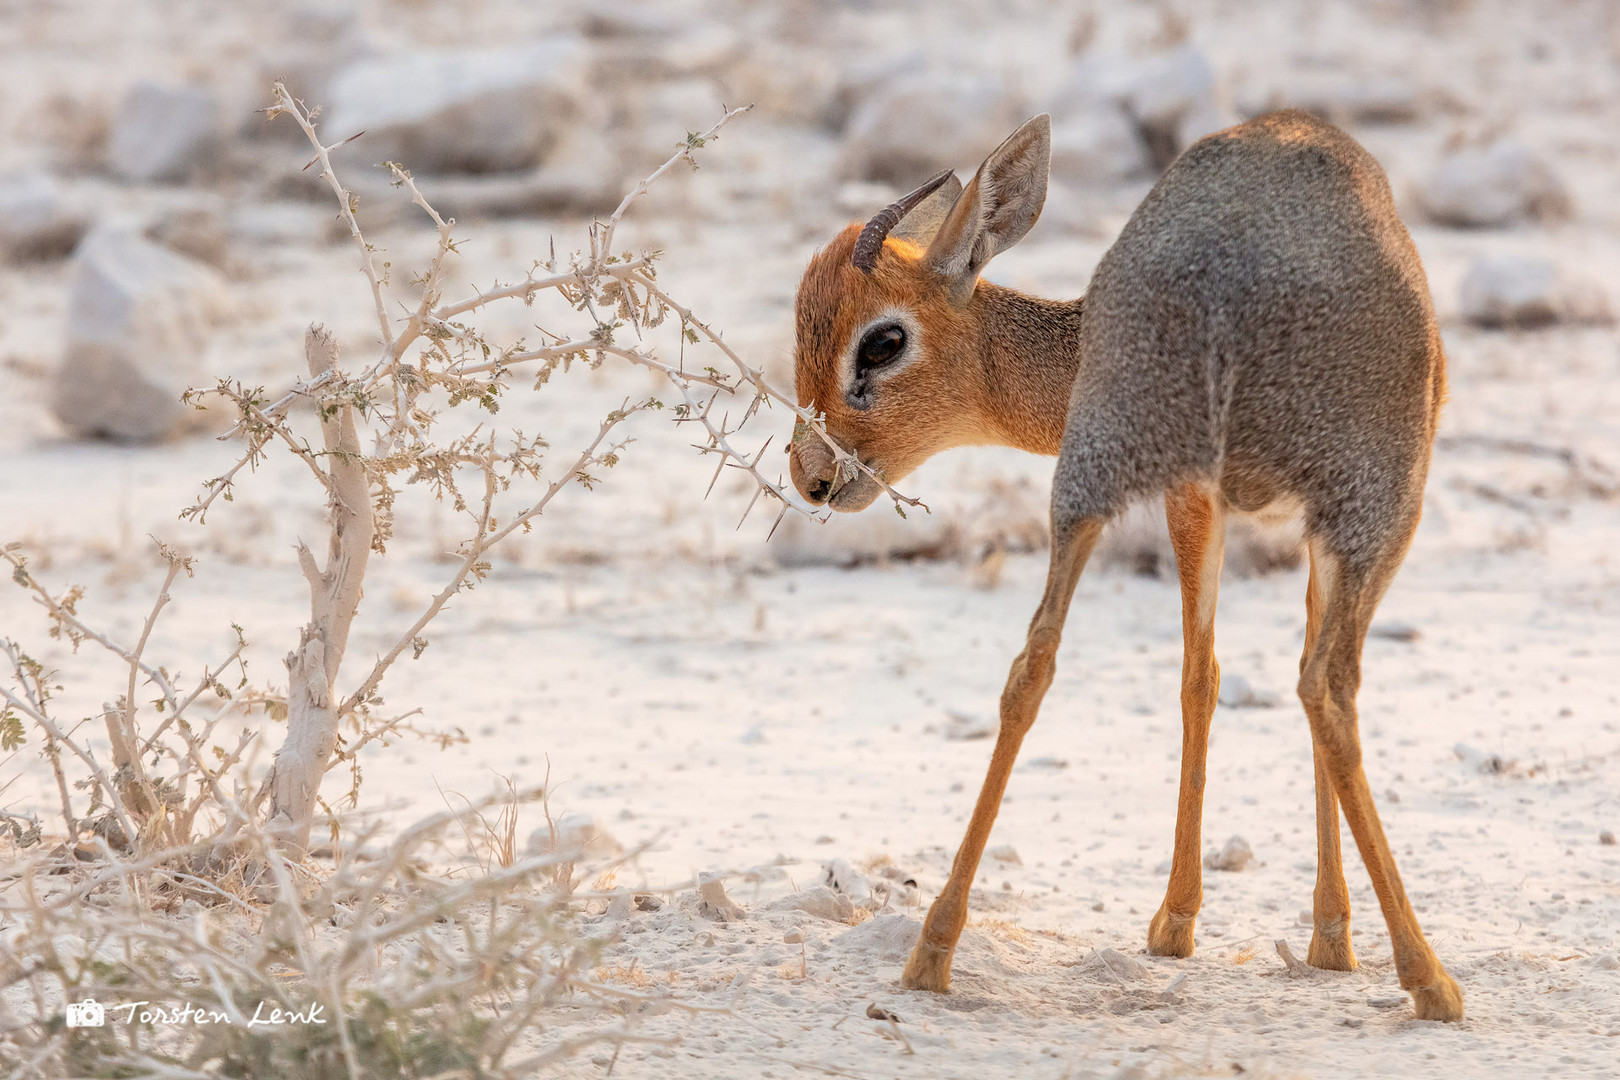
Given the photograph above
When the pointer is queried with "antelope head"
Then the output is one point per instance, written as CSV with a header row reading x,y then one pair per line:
x,y
889,339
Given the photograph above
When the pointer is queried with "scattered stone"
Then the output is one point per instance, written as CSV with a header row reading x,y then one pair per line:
x,y
1343,97
713,903
620,905
874,1011
841,877
1500,184
1234,857
818,900
1100,144
1388,1002
911,127
1171,99
196,232
577,836
1237,693
1006,853
320,40
648,902
139,320
1489,764
793,937
1047,761
1115,964
35,220
477,111
163,133
859,78
1606,838
1515,291
960,726
1395,631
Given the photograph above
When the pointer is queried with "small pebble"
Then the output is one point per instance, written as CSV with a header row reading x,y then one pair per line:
x,y
1234,857
1606,837
793,937
1006,853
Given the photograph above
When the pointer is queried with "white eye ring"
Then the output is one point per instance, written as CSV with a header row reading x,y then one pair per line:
x,y
858,384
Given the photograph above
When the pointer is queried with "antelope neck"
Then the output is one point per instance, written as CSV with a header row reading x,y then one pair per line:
x,y
1029,352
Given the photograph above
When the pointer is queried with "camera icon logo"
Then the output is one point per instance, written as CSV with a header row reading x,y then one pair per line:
x,y
86,1013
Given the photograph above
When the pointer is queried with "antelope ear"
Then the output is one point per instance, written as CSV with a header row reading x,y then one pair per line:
x,y
923,222
1000,204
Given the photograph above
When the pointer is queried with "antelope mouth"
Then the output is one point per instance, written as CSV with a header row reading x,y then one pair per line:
x,y
855,495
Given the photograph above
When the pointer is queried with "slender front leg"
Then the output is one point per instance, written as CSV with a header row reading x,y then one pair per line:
x,y
1330,907
930,965
1198,534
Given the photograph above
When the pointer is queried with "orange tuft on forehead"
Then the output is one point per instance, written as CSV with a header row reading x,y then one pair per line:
x,y
835,297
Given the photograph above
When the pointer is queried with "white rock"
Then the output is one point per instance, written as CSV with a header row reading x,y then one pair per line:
x,y
1235,856
196,230
1005,853
486,110
1516,291
1100,144
841,877
818,900
1171,98
961,726
317,42
1499,184
906,130
1113,965
579,835
1343,97
713,903
862,77
163,133
35,220
139,320
1489,764
1238,693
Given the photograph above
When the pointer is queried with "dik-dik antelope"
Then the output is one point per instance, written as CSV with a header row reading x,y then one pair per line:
x,y
1261,335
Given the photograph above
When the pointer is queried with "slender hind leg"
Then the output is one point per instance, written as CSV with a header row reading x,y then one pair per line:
x,y
1330,909
1198,533
1327,687
930,965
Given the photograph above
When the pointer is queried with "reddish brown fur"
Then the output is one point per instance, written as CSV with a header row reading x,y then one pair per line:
x,y
1225,361
979,378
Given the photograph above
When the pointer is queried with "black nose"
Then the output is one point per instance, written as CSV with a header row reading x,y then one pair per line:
x,y
818,491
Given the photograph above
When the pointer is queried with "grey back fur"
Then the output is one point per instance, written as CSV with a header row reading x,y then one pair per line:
x,y
1262,323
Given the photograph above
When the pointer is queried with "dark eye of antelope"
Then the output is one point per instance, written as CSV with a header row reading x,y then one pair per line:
x,y
880,346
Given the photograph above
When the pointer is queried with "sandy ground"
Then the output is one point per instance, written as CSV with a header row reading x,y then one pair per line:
x,y
753,709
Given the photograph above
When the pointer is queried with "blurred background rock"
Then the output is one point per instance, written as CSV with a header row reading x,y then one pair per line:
x,y
138,121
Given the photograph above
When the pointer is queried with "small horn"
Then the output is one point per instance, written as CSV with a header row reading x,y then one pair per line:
x,y
872,237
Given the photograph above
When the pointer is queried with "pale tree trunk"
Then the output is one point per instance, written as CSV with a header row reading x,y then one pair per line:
x,y
312,718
